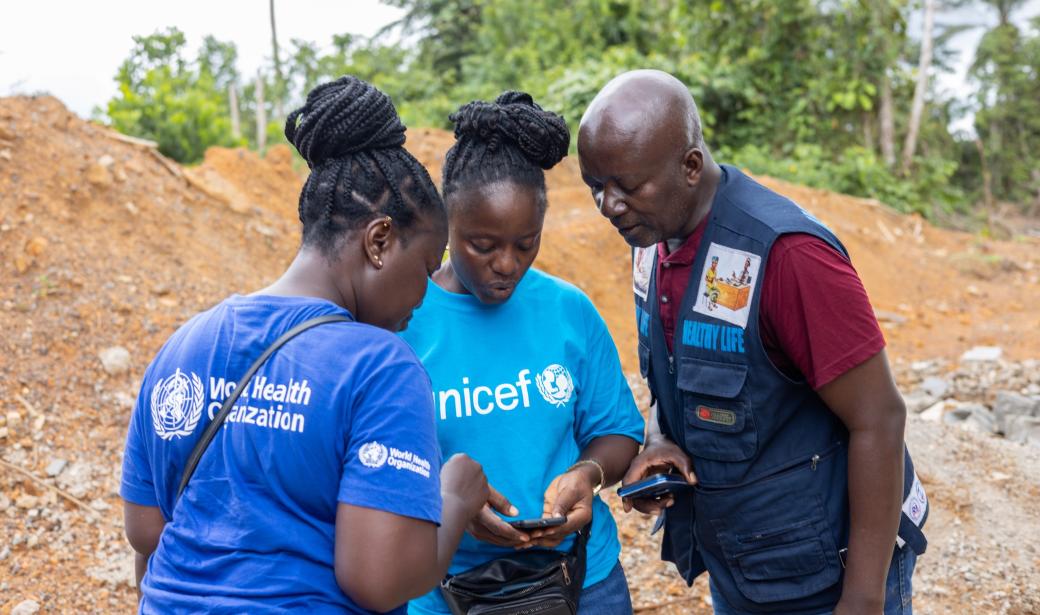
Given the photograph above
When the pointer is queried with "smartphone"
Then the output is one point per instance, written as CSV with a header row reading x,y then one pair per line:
x,y
537,524
658,485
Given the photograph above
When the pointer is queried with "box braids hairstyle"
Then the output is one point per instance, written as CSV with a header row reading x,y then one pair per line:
x,y
351,137
511,139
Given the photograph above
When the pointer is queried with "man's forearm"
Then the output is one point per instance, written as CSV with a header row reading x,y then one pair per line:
x,y
875,499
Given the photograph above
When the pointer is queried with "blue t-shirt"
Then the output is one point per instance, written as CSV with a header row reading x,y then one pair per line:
x,y
523,387
341,413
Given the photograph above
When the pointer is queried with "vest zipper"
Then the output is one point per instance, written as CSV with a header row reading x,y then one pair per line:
x,y
814,460
566,573
671,364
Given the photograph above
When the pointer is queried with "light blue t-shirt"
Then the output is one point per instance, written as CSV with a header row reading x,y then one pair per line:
x,y
341,413
523,387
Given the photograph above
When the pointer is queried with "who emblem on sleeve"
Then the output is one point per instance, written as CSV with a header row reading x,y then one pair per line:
x,y
373,454
555,384
176,405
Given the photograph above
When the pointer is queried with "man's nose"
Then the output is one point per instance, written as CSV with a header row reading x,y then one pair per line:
x,y
611,202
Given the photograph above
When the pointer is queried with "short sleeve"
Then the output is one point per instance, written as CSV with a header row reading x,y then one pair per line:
x,y
816,316
605,405
137,484
392,461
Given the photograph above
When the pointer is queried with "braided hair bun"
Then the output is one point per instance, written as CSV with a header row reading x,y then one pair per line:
x,y
351,137
343,117
511,139
514,117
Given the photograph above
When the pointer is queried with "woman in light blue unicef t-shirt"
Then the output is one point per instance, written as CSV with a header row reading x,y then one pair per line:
x,y
322,492
526,377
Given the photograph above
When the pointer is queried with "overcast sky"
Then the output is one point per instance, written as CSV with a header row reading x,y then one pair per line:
x,y
72,48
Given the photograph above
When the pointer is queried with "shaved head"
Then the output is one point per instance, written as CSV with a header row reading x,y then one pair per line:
x,y
645,105
642,154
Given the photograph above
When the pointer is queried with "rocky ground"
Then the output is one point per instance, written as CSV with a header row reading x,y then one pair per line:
x,y
105,247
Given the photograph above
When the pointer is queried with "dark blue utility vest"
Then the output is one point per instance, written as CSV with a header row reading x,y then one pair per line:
x,y
769,519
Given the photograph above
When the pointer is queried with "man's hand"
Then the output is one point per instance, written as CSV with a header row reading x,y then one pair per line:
x,y
660,455
569,495
489,527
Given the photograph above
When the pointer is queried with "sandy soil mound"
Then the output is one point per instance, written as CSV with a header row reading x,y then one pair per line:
x,y
106,247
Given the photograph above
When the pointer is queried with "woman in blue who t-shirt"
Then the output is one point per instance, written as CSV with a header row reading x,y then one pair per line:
x,y
323,490
526,377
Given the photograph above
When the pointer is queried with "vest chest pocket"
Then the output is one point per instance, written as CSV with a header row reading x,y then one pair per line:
x,y
719,422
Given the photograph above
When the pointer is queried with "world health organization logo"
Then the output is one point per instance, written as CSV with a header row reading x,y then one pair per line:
x,y
555,384
176,405
372,454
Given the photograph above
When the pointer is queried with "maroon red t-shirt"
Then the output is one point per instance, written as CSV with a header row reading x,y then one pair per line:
x,y
814,315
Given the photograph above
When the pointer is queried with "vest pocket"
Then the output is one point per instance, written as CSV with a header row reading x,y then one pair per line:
x,y
719,423
770,541
781,563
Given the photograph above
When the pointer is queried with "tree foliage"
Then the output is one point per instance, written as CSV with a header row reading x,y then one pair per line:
x,y
1007,71
179,103
811,90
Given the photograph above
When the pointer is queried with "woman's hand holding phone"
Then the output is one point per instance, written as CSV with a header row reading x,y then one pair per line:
x,y
489,527
569,495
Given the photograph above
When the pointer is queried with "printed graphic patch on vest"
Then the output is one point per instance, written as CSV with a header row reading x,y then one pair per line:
x,y
915,505
642,269
916,502
717,415
727,284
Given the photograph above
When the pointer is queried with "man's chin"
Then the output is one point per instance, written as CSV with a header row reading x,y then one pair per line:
x,y
638,237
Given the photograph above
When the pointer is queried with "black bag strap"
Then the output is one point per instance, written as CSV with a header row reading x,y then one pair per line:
x,y
218,420
581,538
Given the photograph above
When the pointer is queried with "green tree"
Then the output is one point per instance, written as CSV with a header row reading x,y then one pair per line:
x,y
179,103
1007,72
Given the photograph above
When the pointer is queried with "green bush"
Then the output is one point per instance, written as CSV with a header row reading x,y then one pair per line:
x,y
182,105
859,172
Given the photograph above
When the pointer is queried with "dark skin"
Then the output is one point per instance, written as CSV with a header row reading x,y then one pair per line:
x,y
653,179
381,559
495,234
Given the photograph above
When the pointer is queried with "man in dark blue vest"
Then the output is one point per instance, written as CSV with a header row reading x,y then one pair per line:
x,y
770,385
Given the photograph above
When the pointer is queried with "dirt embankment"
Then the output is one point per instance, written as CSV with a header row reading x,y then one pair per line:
x,y
106,247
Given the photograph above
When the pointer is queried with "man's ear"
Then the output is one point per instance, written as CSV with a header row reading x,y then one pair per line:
x,y
378,236
693,165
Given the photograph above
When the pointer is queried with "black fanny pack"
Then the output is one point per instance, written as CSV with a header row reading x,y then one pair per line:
x,y
532,582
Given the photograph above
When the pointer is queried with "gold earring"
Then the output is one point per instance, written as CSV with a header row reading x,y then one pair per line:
x,y
387,220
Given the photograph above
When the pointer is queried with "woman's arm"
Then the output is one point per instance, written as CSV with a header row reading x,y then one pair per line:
x,y
382,560
143,525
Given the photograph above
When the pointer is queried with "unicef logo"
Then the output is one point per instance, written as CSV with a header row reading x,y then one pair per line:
x,y
176,405
372,454
555,384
